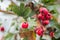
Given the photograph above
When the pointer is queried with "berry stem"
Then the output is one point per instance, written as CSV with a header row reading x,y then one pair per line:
x,y
40,37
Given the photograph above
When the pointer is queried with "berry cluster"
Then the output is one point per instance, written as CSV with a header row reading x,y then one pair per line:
x,y
44,16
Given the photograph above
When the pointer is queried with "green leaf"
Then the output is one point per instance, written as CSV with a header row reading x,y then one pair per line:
x,y
50,8
27,12
17,27
57,25
22,8
41,38
31,22
53,9
16,10
48,1
9,36
13,24
26,38
32,13
57,34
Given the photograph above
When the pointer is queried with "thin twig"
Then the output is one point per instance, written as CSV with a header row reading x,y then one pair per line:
x,y
7,12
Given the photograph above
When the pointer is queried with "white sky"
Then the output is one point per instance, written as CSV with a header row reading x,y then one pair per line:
x,y
5,4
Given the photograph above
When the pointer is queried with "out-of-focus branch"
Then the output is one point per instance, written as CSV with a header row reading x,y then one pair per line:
x,y
7,12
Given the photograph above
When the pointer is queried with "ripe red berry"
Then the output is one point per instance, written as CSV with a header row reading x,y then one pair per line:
x,y
43,10
40,16
39,32
36,28
24,25
48,16
45,22
2,29
52,34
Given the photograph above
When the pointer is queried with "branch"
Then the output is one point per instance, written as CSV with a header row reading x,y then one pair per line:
x,y
7,12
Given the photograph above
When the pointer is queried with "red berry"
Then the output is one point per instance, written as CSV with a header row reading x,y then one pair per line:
x,y
41,27
40,16
36,28
2,29
48,17
25,25
43,10
45,22
39,32
52,34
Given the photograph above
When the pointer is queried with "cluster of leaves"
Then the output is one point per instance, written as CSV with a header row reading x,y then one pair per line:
x,y
20,10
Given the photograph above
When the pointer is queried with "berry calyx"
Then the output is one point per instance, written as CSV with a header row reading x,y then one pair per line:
x,y
2,29
45,22
43,10
24,25
52,34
